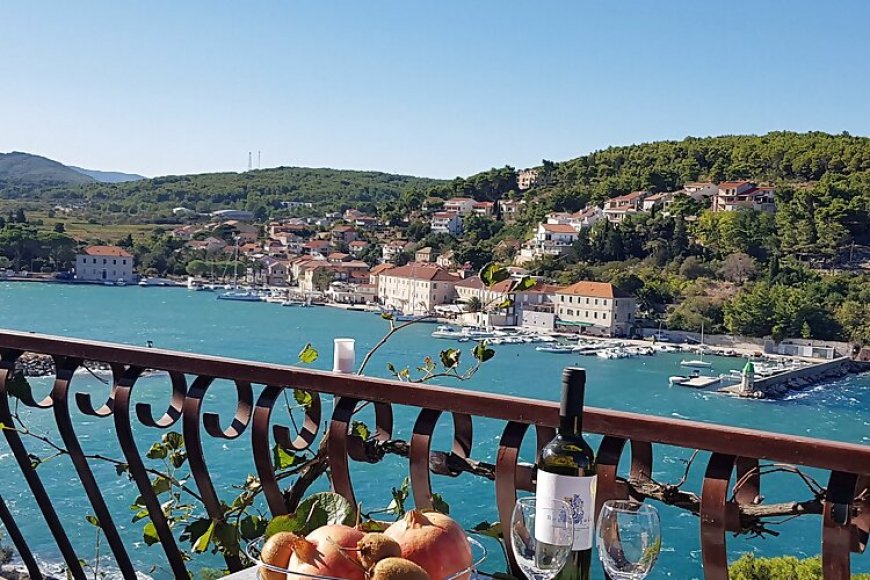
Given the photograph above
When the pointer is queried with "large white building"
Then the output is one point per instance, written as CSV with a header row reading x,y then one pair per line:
x,y
549,240
596,308
446,222
105,264
416,288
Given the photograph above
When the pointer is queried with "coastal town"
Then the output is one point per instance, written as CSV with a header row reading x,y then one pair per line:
x,y
330,259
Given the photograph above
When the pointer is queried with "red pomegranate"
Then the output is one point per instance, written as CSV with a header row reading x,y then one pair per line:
x,y
434,542
328,551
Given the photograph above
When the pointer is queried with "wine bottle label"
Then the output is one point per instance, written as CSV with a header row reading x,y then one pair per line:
x,y
579,493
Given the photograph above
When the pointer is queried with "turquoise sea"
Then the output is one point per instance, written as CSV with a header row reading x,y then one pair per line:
x,y
197,322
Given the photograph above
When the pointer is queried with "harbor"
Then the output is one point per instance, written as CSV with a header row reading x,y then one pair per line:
x,y
196,321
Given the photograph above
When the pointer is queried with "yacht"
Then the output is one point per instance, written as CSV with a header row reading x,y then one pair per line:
x,y
466,333
699,363
556,349
240,295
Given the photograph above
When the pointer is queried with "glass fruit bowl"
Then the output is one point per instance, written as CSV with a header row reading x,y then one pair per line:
x,y
255,547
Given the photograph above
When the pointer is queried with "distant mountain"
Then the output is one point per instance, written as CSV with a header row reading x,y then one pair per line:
x,y
108,176
28,169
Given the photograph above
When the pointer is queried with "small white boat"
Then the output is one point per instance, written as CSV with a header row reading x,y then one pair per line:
x,y
678,380
696,363
555,349
240,296
121,282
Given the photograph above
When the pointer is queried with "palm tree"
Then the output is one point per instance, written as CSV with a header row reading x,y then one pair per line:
x,y
473,304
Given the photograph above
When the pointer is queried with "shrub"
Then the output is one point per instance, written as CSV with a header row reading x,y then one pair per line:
x,y
748,567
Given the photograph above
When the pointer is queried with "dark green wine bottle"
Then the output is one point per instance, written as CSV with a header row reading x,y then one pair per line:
x,y
567,471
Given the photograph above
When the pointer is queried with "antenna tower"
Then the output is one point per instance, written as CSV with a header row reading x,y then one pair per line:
x,y
259,154
249,160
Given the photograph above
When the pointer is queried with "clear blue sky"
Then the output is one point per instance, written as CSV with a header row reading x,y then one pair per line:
x,y
440,88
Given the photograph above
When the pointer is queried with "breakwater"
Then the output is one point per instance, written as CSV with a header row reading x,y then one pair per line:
x,y
779,384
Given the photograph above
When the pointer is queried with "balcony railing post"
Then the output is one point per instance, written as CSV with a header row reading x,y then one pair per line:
x,y
837,527
714,519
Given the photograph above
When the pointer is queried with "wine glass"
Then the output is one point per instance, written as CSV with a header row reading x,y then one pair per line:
x,y
542,534
629,539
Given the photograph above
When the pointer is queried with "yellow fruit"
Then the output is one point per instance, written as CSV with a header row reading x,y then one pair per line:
x,y
398,569
276,552
374,547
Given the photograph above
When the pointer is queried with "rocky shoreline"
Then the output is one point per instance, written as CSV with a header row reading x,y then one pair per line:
x,y
42,365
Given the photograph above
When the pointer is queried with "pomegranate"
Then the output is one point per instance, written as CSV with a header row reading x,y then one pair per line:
x,y
328,551
434,542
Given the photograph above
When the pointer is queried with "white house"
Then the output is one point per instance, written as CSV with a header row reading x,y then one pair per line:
x,y
510,210
446,222
734,195
549,240
459,205
391,250
699,190
577,220
617,208
416,288
526,178
595,308
105,264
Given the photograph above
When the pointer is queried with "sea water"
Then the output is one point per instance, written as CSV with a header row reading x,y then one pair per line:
x,y
197,322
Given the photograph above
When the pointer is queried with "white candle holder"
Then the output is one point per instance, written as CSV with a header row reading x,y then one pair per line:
x,y
344,356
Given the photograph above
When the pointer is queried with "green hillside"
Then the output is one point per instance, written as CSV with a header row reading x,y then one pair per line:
x,y
25,170
261,191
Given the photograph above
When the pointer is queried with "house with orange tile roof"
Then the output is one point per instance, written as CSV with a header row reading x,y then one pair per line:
x,y
107,264
597,308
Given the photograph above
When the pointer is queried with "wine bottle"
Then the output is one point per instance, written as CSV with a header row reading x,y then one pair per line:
x,y
566,471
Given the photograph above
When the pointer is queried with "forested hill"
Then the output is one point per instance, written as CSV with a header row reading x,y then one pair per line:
x,y
261,191
666,165
25,169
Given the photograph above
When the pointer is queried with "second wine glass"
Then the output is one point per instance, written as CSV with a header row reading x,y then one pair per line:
x,y
629,539
542,534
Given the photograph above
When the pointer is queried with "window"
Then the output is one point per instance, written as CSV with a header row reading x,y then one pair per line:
x,y
596,302
95,260
434,286
604,315
604,302
587,301
595,315
570,313
587,314
114,262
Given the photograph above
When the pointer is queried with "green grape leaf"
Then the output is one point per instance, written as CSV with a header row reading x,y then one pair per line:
x,y
303,398
308,354
149,534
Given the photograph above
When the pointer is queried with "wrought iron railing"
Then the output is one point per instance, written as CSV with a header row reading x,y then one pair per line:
x,y
845,508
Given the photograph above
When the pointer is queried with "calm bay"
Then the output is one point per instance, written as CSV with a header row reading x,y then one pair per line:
x,y
197,322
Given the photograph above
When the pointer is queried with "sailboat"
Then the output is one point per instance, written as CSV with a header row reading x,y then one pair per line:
x,y
236,293
698,363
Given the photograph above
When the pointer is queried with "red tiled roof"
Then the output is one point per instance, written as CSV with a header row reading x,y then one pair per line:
x,y
629,196
459,200
594,290
114,251
381,268
417,271
359,243
559,228
733,184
